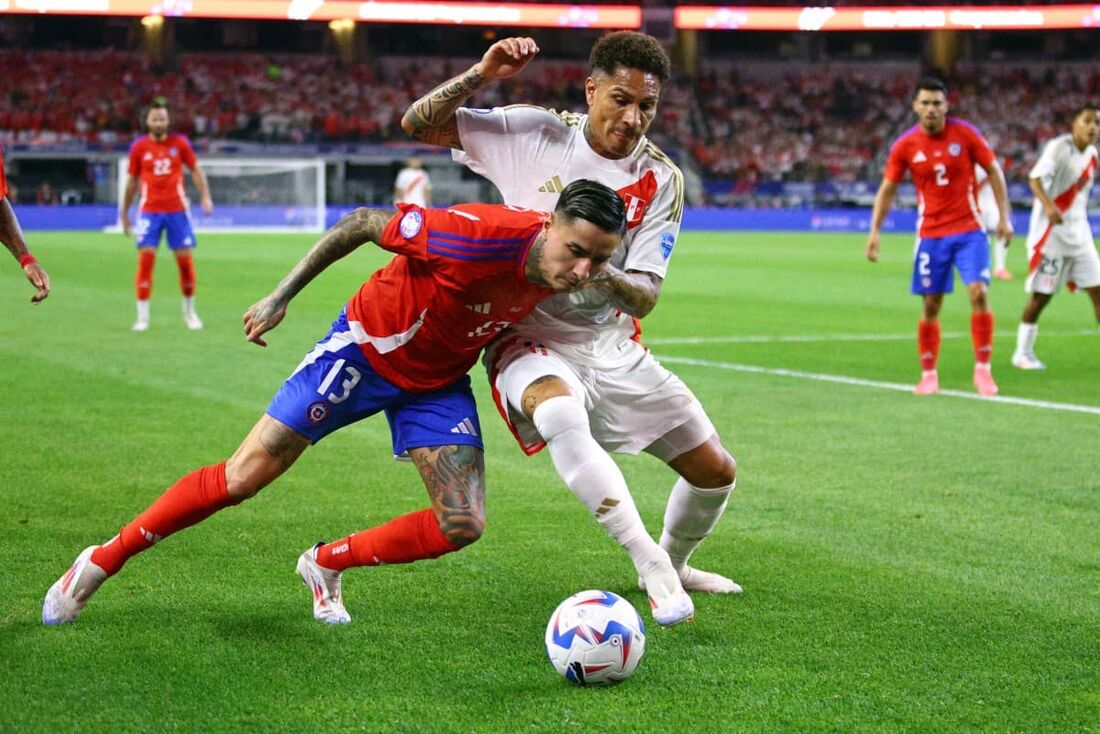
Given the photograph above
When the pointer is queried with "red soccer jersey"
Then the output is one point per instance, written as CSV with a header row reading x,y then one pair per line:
x,y
942,167
457,280
3,178
159,165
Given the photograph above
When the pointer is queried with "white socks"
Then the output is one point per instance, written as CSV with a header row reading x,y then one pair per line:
x,y
691,514
1025,338
188,305
594,477
999,252
143,311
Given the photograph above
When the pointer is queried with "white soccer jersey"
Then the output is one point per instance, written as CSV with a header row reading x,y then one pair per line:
x,y
1067,175
412,186
530,154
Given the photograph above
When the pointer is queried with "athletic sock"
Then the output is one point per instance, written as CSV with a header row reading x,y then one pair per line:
x,y
404,539
928,344
690,516
1025,338
143,311
594,477
143,281
1000,250
191,500
187,274
981,332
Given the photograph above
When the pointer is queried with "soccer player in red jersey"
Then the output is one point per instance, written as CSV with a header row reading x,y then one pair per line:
x,y
157,160
403,345
11,234
940,153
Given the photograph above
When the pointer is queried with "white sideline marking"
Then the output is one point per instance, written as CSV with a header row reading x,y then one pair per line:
x,y
806,338
859,382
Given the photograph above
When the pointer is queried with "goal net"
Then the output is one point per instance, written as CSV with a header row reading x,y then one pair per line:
x,y
256,195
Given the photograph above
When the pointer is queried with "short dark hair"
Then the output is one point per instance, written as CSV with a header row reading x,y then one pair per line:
x,y
631,50
1082,108
593,202
930,84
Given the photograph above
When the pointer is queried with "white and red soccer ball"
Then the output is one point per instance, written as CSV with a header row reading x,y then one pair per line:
x,y
595,638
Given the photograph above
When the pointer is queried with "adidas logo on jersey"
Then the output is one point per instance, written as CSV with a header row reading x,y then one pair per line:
x,y
466,426
553,186
479,307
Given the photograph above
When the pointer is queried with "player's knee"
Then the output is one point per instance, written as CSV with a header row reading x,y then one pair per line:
x,y
720,471
462,527
559,415
541,390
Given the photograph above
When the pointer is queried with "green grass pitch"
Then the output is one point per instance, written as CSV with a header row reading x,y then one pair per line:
x,y
909,564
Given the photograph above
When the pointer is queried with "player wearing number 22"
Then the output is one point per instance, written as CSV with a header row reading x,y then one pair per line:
x,y
940,153
402,345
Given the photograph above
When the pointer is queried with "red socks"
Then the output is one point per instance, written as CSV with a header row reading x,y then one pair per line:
x,y
143,282
928,343
981,331
191,500
403,539
187,274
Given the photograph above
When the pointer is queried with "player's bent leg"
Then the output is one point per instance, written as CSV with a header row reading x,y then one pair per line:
x,y
1023,357
1094,294
267,452
595,479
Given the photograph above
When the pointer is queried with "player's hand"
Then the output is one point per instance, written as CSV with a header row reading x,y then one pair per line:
x,y
207,205
1005,231
39,279
261,317
507,57
1053,214
124,220
872,247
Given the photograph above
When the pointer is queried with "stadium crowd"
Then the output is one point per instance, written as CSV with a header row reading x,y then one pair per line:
x,y
749,122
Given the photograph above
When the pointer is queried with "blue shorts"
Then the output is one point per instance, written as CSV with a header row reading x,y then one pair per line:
x,y
934,256
335,386
177,225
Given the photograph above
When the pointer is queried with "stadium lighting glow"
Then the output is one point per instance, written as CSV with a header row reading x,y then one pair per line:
x,y
344,24
152,21
886,18
530,15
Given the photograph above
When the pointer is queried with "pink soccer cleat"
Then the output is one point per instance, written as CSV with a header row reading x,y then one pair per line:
x,y
1002,274
328,602
983,380
929,383
67,597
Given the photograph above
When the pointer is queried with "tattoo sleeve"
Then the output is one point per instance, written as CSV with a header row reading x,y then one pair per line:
x,y
431,119
362,225
455,479
633,292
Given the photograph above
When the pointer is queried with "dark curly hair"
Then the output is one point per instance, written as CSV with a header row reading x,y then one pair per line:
x,y
631,50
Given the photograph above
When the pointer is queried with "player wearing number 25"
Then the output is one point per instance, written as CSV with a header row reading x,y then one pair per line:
x,y
157,160
402,345
940,153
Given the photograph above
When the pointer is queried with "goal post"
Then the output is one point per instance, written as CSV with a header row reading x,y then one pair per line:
x,y
255,194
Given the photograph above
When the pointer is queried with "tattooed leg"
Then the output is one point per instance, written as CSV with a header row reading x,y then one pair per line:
x,y
455,479
268,451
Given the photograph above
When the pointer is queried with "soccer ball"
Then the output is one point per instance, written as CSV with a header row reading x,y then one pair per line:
x,y
595,638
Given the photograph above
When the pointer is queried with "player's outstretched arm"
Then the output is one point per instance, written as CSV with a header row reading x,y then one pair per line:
x,y
884,199
631,291
357,228
11,234
431,119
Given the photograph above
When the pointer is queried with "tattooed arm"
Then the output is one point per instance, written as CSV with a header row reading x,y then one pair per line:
x,y
632,291
362,225
431,119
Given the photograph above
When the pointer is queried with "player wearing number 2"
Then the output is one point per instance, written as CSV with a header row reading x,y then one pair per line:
x,y
157,160
940,153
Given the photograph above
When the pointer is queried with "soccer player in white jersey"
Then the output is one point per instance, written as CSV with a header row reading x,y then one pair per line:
x,y
573,376
412,185
987,204
1060,248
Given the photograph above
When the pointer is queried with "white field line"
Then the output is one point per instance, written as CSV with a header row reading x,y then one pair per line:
x,y
859,382
810,338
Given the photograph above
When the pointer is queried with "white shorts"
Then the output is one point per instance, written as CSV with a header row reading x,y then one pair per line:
x,y
639,406
1052,271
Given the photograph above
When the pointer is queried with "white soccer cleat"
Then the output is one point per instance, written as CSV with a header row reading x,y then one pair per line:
x,y
194,323
668,601
1027,362
71,592
324,583
703,581
140,325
